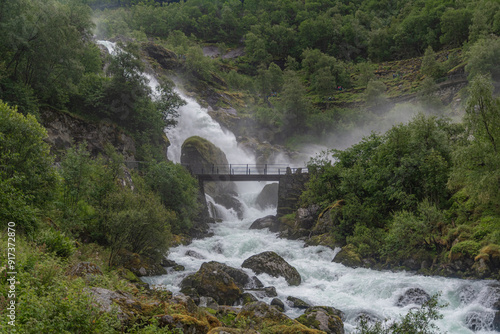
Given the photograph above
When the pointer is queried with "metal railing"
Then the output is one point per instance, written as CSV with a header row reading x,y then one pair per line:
x,y
245,169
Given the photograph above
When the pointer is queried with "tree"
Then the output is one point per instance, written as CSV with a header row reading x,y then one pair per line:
x,y
430,66
484,58
294,105
27,177
455,26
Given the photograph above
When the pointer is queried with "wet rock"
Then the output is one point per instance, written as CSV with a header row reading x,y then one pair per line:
x,y
467,294
268,197
297,303
270,222
413,296
367,316
328,219
168,263
269,291
480,321
208,302
184,323
194,254
496,322
278,304
348,257
212,281
165,58
274,265
254,283
323,318
247,298
301,226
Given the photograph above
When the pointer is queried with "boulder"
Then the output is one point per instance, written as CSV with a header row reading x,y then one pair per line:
x,y
201,156
84,269
124,303
479,321
301,225
269,291
264,317
328,219
247,298
323,318
227,330
270,222
496,321
212,281
140,265
208,302
413,296
274,265
278,304
268,197
184,323
297,303
348,257
194,254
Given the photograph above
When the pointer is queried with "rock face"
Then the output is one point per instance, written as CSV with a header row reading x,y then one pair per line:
x,y
204,157
165,58
301,226
413,296
270,222
85,270
274,265
216,280
268,197
323,318
65,130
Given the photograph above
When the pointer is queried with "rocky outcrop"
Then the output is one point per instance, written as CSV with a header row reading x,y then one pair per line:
x,y
140,265
85,270
270,222
323,318
297,303
262,315
165,58
268,197
300,226
413,296
214,280
65,130
274,265
278,304
348,257
203,157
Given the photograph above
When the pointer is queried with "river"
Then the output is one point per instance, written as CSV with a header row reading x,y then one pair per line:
x,y
354,291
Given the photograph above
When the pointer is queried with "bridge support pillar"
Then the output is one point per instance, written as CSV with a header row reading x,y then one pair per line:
x,y
291,186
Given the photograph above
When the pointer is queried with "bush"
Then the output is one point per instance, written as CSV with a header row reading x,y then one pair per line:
x,y
56,242
467,248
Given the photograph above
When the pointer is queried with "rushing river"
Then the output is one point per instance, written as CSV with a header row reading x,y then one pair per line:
x,y
354,291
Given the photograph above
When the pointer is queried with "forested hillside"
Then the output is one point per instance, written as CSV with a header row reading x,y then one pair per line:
x,y
423,196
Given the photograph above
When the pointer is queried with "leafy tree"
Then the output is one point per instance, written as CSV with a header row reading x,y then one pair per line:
x,y
27,178
294,105
365,74
375,94
455,26
484,57
485,20
178,191
477,160
430,66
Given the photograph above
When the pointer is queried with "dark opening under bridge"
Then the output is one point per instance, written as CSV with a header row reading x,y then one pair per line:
x,y
244,172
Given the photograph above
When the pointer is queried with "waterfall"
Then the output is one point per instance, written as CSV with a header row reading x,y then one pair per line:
x,y
470,303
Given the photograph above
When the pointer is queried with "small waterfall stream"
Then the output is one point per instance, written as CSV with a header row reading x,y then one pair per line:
x,y
354,291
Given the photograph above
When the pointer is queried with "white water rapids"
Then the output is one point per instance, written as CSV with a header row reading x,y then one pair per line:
x,y
324,283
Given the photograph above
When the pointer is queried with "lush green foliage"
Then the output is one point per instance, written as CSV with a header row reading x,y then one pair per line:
x,y
27,178
419,321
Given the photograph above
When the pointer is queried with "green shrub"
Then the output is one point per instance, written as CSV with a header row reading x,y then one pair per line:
x,y
468,248
56,242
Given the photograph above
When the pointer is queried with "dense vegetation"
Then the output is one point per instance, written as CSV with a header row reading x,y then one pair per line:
x,y
422,191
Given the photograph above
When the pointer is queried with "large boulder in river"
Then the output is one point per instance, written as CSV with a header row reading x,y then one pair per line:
x,y
268,197
215,280
271,222
203,157
413,296
324,318
301,225
274,265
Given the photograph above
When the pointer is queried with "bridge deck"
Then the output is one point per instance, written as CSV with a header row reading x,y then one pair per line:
x,y
238,177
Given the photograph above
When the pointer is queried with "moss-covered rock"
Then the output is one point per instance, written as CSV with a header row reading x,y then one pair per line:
x,y
297,303
84,269
262,316
348,257
212,281
203,157
274,265
323,318
227,330
139,265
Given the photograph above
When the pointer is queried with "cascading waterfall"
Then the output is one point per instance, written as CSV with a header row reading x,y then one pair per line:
x,y
470,304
